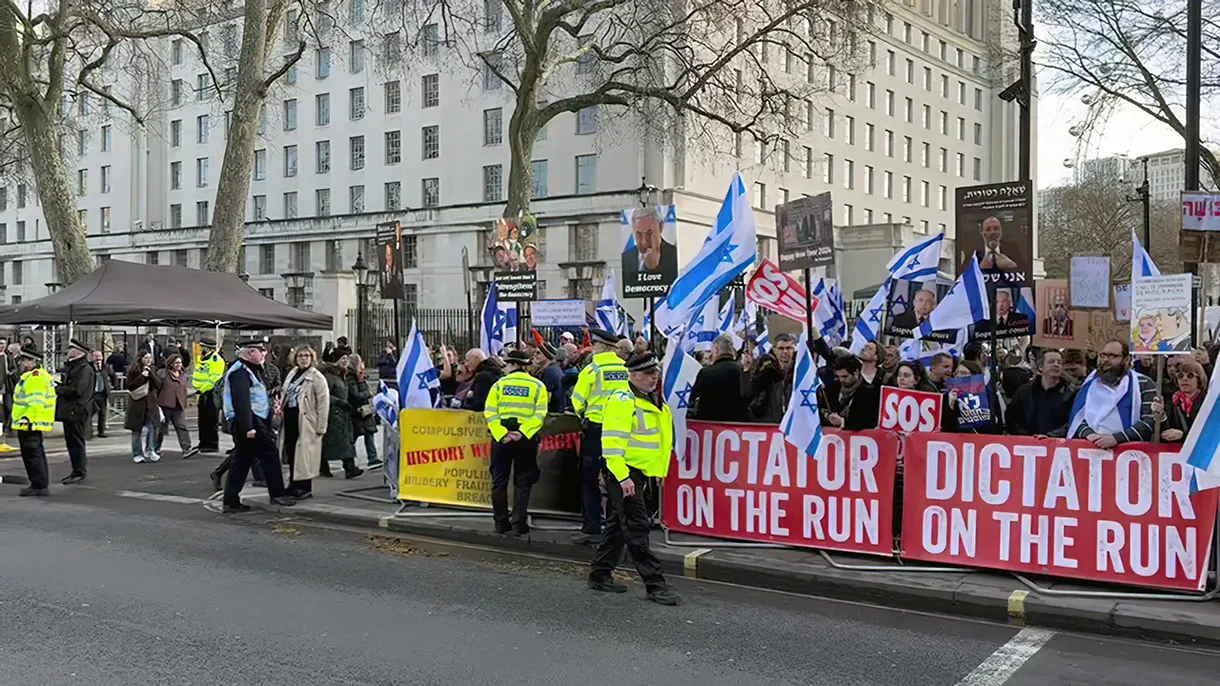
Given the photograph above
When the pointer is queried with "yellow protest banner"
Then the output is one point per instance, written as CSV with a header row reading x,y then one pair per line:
x,y
444,458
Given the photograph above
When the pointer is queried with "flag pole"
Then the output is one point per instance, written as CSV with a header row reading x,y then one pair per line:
x,y
1160,381
809,307
652,325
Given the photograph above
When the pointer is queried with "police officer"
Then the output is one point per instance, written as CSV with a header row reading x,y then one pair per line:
x,y
247,408
637,441
209,369
33,415
515,411
75,406
603,377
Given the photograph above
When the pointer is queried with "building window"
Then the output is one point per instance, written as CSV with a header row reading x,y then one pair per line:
x,y
538,169
290,161
978,134
290,115
760,195
176,51
106,178
393,195
493,11
586,174
355,196
491,64
322,60
181,258
203,132
334,256
493,183
978,169
322,109
260,208
82,182
21,231
432,90
807,167
586,121
322,202
849,174
493,125
410,252
152,257
175,216
322,155
106,138
431,142
176,91
393,147
393,96
202,213
201,172
431,192
431,40
291,209
355,61
355,100
21,195
266,259
356,152
260,165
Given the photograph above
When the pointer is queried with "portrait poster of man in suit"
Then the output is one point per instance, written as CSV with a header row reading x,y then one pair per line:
x,y
994,224
650,250
389,260
1013,313
1058,325
910,304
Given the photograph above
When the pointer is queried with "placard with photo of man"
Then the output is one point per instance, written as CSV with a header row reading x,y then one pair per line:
x,y
806,232
1058,325
513,245
389,260
994,224
1013,313
650,250
909,305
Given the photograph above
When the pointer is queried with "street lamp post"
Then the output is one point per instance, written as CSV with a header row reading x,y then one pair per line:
x,y
1142,196
361,270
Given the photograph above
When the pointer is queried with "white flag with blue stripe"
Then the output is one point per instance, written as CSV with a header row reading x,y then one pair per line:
x,y
802,425
762,345
702,329
747,325
964,304
417,376
919,262
607,311
828,315
385,404
868,322
728,322
1141,262
678,373
499,323
729,250
1201,447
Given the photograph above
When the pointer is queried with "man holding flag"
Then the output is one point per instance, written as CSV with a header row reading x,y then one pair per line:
x,y
604,376
515,412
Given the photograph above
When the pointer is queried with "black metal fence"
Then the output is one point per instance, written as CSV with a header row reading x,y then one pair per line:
x,y
456,328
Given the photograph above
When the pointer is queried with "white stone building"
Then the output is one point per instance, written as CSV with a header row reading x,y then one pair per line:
x,y
347,143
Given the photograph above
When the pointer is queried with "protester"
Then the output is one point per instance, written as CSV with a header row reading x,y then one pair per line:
x,y
771,382
637,441
640,346
1014,374
209,369
1115,404
485,372
447,372
103,381
12,353
868,358
721,392
1043,406
551,376
890,365
152,346
911,376
364,418
172,399
604,376
951,414
940,367
387,363
34,406
1185,402
333,351
855,405
247,409
74,406
119,360
144,417
1074,368
624,348
338,443
515,411
306,411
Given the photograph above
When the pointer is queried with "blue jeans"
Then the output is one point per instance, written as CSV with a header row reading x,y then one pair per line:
x,y
144,442
370,447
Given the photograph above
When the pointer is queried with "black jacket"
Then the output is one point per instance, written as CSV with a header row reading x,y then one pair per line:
x,y
770,387
488,374
860,412
552,379
721,393
110,380
1177,418
1035,411
364,421
387,367
74,395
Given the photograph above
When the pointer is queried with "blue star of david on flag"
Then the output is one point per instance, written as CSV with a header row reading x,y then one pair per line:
x,y
684,397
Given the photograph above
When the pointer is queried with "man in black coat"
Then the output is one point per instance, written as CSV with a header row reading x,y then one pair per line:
x,y
103,381
551,376
721,392
488,371
771,381
1043,406
74,405
853,405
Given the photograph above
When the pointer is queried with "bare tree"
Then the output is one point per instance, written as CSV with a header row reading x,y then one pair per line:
x,y
1094,217
705,69
1130,53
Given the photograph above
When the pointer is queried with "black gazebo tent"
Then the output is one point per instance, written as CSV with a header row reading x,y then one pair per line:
x,y
130,294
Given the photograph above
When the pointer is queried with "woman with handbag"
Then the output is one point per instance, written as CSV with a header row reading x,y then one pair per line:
x,y
306,414
338,444
364,419
143,411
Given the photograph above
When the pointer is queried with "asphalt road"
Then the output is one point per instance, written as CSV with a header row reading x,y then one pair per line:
x,y
98,589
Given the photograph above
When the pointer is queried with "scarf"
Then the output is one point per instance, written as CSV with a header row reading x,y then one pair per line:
x,y
1186,402
1106,409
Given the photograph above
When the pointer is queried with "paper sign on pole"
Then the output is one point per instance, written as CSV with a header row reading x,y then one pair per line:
x,y
910,411
1090,283
1200,211
1122,302
557,313
1160,314
776,290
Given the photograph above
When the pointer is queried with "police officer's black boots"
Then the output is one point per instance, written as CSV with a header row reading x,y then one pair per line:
x,y
499,510
521,504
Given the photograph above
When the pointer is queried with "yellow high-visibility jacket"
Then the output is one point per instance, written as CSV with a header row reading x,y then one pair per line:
x,y
34,402
604,376
636,433
516,396
208,372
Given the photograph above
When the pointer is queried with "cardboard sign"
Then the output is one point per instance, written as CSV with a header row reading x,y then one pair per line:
x,y
778,291
1160,314
909,411
1059,326
1090,283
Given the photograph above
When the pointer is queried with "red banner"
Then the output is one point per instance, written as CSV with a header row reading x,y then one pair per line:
x,y
1055,507
910,411
776,290
745,482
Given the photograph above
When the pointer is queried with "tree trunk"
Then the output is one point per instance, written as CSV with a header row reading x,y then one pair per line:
x,y
521,135
229,217
72,256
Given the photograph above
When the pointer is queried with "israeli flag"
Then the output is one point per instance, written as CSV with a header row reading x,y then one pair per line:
x,y
1141,262
678,373
868,324
417,378
1202,444
828,315
607,308
919,262
729,250
747,325
964,304
646,332
802,425
499,323
702,329
385,404
762,346
728,322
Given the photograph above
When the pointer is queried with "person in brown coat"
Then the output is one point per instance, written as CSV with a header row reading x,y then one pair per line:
x,y
172,400
143,411
306,411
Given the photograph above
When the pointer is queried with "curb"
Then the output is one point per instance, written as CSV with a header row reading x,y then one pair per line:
x,y
977,595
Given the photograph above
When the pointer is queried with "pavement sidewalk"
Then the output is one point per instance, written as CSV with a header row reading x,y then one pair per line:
x,y
980,594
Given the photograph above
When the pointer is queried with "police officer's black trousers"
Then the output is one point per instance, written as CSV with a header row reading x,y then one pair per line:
x,y
627,525
247,451
590,468
209,438
76,427
34,457
521,458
